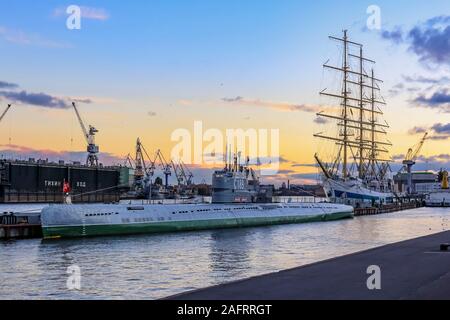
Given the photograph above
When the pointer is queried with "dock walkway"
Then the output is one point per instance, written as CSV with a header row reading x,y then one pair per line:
x,y
412,269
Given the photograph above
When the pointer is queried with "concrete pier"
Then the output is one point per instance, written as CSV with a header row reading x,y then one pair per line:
x,y
412,269
20,231
388,208
20,225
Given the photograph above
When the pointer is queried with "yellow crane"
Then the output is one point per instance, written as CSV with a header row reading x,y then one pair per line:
x,y
410,160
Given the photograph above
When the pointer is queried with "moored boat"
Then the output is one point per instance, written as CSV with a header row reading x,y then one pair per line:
x,y
61,221
359,171
238,201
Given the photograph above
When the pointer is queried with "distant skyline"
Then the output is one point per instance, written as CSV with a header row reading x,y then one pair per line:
x,y
148,68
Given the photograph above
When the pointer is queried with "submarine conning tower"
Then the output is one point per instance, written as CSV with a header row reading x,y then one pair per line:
x,y
235,184
232,187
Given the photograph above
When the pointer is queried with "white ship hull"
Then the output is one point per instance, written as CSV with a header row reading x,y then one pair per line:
x,y
353,192
438,199
95,220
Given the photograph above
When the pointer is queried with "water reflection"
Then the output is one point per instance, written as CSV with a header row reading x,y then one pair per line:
x,y
226,257
154,266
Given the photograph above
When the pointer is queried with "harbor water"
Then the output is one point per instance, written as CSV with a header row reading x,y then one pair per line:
x,y
156,266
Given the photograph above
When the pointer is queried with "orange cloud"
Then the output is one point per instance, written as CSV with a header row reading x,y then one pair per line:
x,y
280,106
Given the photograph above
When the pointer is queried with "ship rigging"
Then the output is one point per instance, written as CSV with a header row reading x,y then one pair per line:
x,y
361,139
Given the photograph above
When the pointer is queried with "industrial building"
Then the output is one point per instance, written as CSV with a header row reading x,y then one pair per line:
x,y
422,182
42,182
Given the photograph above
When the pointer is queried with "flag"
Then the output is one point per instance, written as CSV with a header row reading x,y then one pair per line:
x,y
66,187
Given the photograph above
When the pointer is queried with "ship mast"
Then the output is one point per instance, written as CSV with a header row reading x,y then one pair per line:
x,y
361,114
361,103
372,152
345,93
365,144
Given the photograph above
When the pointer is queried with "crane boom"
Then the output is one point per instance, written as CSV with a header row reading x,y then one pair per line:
x,y
410,161
128,161
186,172
92,148
322,166
413,153
5,112
165,166
178,173
83,127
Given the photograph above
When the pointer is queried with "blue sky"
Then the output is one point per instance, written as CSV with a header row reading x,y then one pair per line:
x,y
188,47
177,60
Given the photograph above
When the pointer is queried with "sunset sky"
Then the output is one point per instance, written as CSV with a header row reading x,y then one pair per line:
x,y
146,68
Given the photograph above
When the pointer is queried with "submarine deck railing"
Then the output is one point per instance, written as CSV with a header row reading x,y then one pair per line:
x,y
55,197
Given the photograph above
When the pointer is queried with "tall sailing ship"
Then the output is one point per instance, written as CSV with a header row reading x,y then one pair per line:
x,y
359,173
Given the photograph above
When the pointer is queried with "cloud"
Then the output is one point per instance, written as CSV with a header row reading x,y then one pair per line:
x,y
321,120
281,106
426,80
23,38
16,151
307,165
97,100
438,131
268,160
86,13
441,131
417,130
151,114
439,99
43,99
395,35
295,178
285,171
398,157
82,100
237,99
395,90
36,99
400,88
282,159
94,13
8,85
428,40
423,163
441,128
309,178
438,137
185,102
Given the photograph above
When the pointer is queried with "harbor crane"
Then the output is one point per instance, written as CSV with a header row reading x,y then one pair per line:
x,y
410,160
89,135
165,166
128,161
144,169
178,173
188,175
183,174
140,168
5,112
